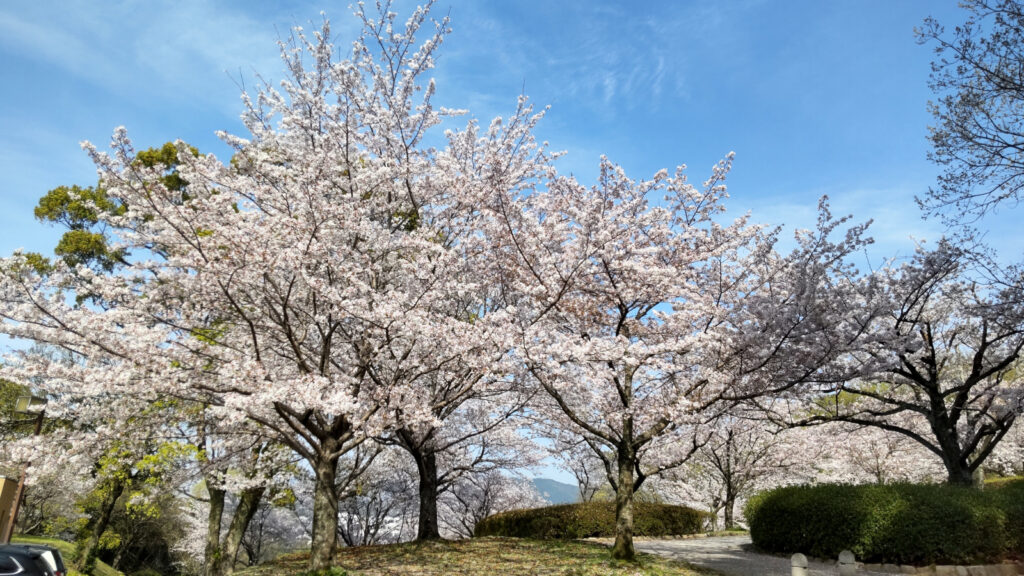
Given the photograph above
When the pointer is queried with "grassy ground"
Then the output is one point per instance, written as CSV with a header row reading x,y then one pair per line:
x,y
67,550
482,556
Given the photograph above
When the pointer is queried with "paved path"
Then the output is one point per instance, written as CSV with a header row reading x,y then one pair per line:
x,y
731,555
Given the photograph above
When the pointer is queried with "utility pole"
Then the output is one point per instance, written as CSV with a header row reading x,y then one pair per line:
x,y
23,406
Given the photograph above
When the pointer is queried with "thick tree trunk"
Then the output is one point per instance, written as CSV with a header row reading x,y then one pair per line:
x,y
730,512
623,548
730,505
957,471
948,439
213,552
248,503
427,528
325,513
88,548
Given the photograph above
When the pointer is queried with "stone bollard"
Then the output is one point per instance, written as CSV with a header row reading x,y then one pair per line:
x,y
799,564
847,563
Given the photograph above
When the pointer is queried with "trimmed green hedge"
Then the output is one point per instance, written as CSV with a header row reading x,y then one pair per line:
x,y
1010,494
895,523
590,520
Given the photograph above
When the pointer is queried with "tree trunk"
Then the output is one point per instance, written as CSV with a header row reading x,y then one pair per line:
x,y
248,503
729,504
116,562
85,561
957,472
213,552
623,548
948,439
730,511
325,513
716,507
427,528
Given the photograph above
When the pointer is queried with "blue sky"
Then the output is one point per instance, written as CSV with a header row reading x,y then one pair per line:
x,y
814,97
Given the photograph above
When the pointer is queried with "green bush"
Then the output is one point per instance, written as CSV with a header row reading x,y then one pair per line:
x,y
1010,494
895,523
592,519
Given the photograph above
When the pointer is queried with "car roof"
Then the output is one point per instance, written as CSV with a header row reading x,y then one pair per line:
x,y
29,546
28,562
18,549
39,548
33,548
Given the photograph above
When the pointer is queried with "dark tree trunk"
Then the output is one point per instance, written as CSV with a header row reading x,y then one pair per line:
x,y
325,512
957,472
426,465
213,552
957,469
248,503
88,548
623,548
730,510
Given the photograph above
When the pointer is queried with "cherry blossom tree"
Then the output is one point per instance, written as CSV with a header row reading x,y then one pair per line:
x,y
744,453
864,454
313,284
944,364
240,464
641,322
473,431
1007,458
479,495
978,133
382,506
87,243
341,280
574,455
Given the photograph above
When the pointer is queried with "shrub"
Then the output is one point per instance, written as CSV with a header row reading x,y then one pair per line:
x,y
1009,493
896,523
590,520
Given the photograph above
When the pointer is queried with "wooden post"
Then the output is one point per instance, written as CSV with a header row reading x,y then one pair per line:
x,y
799,563
5,538
7,488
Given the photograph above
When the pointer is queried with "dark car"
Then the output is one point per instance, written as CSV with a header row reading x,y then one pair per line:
x,y
48,553
23,563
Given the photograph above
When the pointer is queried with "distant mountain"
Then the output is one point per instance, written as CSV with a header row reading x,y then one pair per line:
x,y
556,492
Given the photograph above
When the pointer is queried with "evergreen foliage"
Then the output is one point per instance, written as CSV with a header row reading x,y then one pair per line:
x,y
916,524
592,520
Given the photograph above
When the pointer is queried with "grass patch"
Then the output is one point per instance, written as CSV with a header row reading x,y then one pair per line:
x,y
490,556
67,550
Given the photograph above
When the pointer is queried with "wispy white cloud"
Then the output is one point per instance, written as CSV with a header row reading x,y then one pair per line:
x,y
896,225
188,50
51,42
